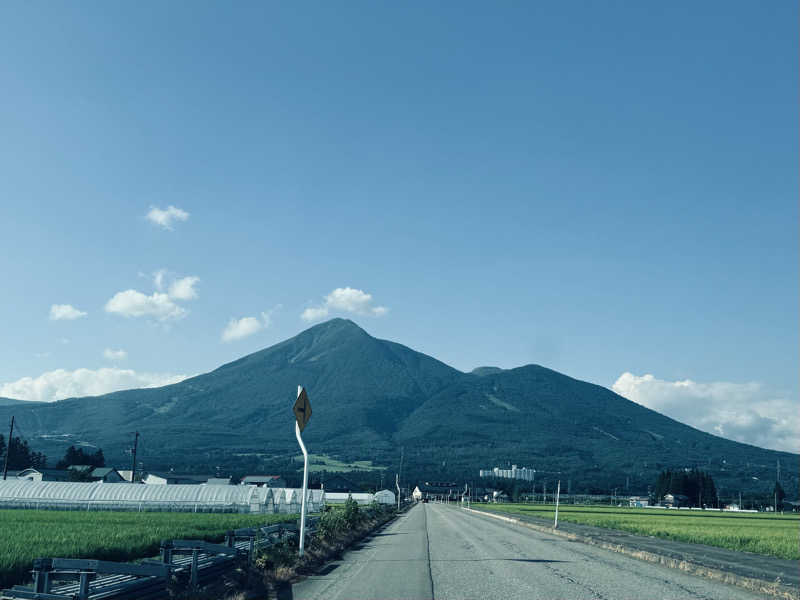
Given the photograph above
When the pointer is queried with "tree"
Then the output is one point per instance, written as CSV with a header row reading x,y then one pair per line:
x,y
20,455
778,495
78,456
696,485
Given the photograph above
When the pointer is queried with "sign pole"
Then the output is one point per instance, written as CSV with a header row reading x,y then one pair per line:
x,y
305,411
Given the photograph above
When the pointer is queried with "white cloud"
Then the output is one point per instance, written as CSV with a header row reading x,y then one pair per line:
x,y
347,299
236,329
744,412
110,354
314,314
60,384
165,218
183,289
158,279
159,305
65,312
132,303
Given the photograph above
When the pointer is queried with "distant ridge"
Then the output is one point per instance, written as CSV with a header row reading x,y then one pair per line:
x,y
482,371
371,397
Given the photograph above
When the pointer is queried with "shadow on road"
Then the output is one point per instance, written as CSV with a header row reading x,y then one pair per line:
x,y
527,560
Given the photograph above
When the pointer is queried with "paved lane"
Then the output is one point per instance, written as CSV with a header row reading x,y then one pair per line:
x,y
441,552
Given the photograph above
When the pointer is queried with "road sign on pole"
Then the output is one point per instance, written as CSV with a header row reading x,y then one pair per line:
x,y
302,408
302,413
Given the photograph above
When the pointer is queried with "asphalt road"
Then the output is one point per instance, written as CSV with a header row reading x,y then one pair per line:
x,y
441,552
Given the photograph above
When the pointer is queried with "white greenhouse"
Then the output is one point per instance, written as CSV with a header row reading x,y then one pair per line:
x,y
385,497
181,498
341,497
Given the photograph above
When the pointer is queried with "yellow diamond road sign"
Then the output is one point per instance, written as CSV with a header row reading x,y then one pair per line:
x,y
302,409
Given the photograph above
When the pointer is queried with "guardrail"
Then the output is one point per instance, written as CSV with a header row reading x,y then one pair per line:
x,y
192,563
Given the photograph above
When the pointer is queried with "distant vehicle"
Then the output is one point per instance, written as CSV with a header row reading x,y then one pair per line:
x,y
425,500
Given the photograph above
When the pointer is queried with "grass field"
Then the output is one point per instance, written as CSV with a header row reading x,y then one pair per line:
x,y
118,536
762,533
323,462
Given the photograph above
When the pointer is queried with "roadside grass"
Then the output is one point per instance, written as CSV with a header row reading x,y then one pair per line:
x,y
117,536
762,533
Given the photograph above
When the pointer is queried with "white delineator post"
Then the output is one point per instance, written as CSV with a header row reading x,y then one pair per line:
x,y
305,482
558,494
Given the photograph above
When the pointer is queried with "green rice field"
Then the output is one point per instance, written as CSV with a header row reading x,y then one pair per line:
x,y
117,536
762,533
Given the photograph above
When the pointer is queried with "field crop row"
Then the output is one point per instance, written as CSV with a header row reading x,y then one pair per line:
x,y
762,533
118,536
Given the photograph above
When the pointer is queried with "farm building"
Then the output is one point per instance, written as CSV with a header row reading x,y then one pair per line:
x,y
339,484
44,474
275,481
180,479
182,498
107,474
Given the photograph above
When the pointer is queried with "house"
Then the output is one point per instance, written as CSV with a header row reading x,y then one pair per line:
x,y
127,474
790,506
638,501
106,475
44,474
270,481
219,481
339,484
675,500
437,490
182,479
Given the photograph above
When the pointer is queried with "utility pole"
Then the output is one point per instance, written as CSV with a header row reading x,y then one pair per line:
x,y
8,449
133,464
558,494
400,472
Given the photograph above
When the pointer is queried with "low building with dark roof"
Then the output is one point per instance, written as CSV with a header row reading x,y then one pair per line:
x,y
44,474
339,484
272,481
170,478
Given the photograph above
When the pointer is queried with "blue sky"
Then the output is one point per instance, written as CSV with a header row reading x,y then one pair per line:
x,y
602,188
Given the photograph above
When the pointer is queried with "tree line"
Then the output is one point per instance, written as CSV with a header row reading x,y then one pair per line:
x,y
696,485
20,455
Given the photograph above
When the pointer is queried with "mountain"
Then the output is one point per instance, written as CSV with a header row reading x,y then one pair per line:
x,y
371,398
10,401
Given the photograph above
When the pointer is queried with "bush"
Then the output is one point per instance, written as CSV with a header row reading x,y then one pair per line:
x,y
331,524
352,513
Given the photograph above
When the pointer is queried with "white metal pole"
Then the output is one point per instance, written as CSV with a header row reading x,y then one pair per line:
x,y
305,483
397,483
558,494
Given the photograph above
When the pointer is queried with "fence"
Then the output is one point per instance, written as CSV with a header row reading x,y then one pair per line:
x,y
191,563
